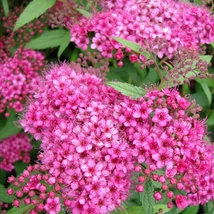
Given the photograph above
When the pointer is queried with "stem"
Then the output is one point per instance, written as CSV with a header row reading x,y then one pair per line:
x,y
158,70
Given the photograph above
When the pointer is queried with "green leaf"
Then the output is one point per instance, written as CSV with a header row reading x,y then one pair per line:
x,y
9,128
65,43
84,12
5,7
205,89
48,39
191,210
200,99
210,121
127,89
161,206
32,11
212,44
147,198
20,166
4,197
21,210
129,210
133,46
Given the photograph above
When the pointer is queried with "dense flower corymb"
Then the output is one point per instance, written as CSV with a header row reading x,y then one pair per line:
x,y
82,142
19,75
166,136
176,25
13,149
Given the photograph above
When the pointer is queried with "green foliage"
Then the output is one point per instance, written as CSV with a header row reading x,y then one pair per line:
x,y
161,206
210,121
164,84
127,89
147,199
129,210
64,44
21,210
7,126
4,197
84,12
20,166
191,210
205,88
5,7
51,39
133,46
35,9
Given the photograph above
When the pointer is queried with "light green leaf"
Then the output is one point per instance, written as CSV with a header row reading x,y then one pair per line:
x,y
191,210
32,11
48,39
133,46
129,210
4,197
5,7
127,89
65,43
161,206
212,44
147,198
9,128
21,210
84,12
205,89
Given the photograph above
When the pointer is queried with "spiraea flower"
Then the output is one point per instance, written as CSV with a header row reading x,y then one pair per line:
x,y
174,24
83,145
168,137
19,75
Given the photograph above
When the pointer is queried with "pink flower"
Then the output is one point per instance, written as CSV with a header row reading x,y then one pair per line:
x,y
181,201
161,117
52,205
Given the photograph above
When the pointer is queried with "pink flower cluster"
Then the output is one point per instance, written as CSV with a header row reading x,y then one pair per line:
x,y
37,187
166,136
83,144
13,149
92,136
19,75
177,25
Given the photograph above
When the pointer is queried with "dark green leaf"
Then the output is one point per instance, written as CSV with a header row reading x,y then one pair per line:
x,y
127,89
32,11
191,210
200,99
5,7
48,39
9,128
84,12
133,46
206,89
64,44
147,198
21,210
210,121
4,197
20,166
